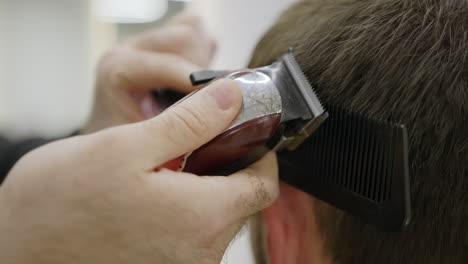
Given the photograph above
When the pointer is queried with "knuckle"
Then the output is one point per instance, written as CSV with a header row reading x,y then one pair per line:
x,y
195,20
119,75
261,195
132,39
106,62
112,67
190,121
111,57
184,37
108,56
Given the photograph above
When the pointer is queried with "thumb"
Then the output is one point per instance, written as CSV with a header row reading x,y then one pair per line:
x,y
191,123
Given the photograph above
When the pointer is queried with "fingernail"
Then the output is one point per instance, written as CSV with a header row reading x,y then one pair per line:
x,y
223,92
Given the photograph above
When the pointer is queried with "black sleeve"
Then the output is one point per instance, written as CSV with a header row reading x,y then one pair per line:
x,y
11,152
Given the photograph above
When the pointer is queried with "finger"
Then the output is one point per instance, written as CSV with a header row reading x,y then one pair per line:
x,y
191,42
144,71
187,18
187,125
246,192
195,21
172,38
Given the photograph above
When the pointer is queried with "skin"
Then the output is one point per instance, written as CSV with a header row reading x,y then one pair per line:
x,y
161,58
301,239
96,198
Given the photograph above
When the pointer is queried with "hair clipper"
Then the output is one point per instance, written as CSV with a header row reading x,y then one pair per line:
x,y
279,110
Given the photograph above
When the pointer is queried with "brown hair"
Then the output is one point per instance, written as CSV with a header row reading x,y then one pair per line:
x,y
401,60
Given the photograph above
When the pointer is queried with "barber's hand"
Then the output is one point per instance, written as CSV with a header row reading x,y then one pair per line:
x,y
96,198
162,58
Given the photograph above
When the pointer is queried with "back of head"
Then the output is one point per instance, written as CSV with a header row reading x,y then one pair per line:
x,y
399,60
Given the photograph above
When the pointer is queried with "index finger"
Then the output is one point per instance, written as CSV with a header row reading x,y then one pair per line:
x,y
187,18
184,35
145,71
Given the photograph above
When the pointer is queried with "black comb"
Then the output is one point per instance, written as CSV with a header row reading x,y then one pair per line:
x,y
356,164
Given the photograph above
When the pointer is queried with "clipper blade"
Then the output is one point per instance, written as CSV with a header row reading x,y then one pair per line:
x,y
303,84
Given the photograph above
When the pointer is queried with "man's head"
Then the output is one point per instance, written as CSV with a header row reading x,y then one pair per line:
x,y
400,60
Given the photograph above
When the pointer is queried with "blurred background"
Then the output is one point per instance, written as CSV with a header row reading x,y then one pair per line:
x,y
49,49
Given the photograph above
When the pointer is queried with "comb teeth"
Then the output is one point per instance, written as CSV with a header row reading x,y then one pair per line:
x,y
356,164
358,158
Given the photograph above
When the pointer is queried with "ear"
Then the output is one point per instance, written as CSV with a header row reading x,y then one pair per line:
x,y
293,229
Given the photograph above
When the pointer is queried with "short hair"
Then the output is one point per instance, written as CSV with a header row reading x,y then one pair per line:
x,y
400,60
